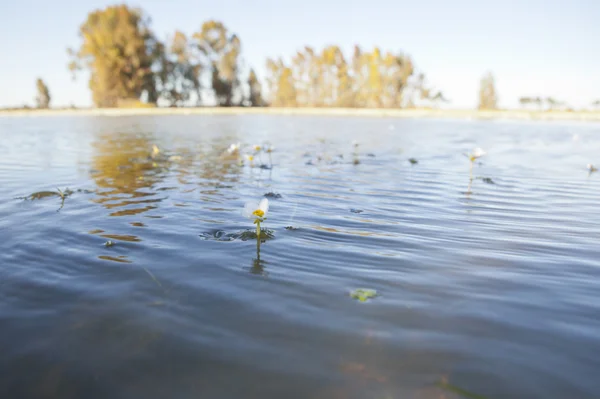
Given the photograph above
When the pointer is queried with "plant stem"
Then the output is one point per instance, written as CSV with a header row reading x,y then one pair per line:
x,y
258,231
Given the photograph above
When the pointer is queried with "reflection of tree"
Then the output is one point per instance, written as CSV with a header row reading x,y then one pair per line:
x,y
125,170
123,166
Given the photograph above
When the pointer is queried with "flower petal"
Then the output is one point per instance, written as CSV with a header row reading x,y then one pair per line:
x,y
264,206
249,208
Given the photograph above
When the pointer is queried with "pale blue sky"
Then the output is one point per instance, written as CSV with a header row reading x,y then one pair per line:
x,y
533,47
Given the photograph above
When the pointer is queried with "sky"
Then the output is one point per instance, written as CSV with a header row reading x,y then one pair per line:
x,y
532,47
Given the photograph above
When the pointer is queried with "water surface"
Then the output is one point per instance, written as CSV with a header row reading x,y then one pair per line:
x,y
486,287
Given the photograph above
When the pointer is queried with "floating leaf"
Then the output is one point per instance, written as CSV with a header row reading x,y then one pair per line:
x,y
356,210
220,235
109,243
458,390
363,294
488,180
413,161
273,195
291,228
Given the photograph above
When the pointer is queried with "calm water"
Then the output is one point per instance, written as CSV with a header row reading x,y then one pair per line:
x,y
491,291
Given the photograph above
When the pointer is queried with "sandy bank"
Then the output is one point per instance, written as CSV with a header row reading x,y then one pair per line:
x,y
394,113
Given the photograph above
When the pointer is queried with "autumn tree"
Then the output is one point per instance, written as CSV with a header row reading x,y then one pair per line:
x,y
281,84
220,52
328,79
254,90
487,93
119,49
43,94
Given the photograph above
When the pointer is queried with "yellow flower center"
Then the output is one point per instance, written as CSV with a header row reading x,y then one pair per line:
x,y
260,213
250,157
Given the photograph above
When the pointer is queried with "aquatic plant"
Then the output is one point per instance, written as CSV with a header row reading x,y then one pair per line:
x,y
257,212
363,294
355,161
257,149
233,149
250,158
473,156
445,385
269,150
413,161
155,151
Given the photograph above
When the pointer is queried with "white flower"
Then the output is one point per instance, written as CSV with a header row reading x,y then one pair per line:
x,y
475,154
256,211
354,143
591,167
256,148
155,150
269,149
249,157
233,148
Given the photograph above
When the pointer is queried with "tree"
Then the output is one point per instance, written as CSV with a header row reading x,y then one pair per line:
x,y
554,104
525,101
220,52
438,98
178,79
487,93
255,90
120,50
281,84
43,97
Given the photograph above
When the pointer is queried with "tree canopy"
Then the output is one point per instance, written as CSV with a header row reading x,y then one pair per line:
x,y
43,94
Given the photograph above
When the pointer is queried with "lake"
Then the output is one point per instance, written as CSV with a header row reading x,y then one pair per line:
x,y
142,278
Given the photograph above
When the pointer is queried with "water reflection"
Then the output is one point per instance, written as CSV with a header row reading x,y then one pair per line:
x,y
258,264
124,170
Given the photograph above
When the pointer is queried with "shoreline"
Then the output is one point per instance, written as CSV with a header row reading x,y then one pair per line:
x,y
362,112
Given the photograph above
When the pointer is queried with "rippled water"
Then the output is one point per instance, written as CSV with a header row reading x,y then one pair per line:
x,y
489,290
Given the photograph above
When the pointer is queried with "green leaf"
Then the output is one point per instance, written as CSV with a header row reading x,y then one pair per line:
x,y
363,294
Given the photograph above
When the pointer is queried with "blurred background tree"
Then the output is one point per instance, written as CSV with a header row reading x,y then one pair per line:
x,y
178,78
119,50
487,93
43,94
220,52
327,79
254,91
